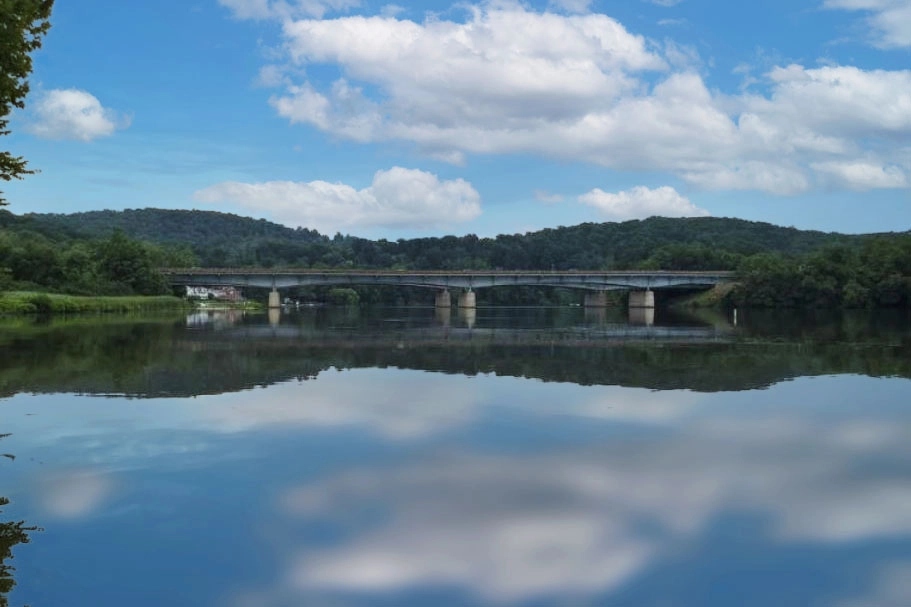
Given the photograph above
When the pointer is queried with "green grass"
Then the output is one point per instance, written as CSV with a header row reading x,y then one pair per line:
x,y
27,302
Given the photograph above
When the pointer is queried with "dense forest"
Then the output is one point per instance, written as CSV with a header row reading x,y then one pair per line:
x,y
117,252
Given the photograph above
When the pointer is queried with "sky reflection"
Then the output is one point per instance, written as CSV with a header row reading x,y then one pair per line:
x,y
393,487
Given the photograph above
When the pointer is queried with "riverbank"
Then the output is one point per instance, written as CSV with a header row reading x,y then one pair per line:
x,y
27,302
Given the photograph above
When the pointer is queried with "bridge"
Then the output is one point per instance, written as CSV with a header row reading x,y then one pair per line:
x,y
642,284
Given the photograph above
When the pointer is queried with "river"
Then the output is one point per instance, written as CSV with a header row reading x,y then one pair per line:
x,y
404,457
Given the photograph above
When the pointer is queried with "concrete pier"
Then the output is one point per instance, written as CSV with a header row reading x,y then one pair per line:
x,y
443,315
468,316
275,300
596,299
442,299
643,317
467,299
275,316
642,299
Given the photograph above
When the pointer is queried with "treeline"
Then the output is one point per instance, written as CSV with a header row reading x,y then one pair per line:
x,y
117,252
116,265
877,273
222,239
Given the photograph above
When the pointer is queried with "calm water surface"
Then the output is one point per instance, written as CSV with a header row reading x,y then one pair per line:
x,y
405,457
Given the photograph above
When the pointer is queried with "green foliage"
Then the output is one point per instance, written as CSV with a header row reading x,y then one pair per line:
x,y
116,265
23,24
342,296
778,267
51,303
875,274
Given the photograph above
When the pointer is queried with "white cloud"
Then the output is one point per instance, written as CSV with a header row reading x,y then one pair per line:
x,y
397,197
391,10
666,3
271,76
641,202
73,114
862,175
510,80
889,21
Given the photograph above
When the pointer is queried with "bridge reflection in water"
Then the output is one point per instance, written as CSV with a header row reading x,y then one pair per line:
x,y
451,327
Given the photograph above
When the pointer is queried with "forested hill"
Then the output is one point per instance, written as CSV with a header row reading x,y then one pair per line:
x,y
222,239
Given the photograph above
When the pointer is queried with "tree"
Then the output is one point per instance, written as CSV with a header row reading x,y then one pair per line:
x,y
23,24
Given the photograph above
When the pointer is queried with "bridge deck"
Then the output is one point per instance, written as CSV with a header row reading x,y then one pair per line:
x,y
442,279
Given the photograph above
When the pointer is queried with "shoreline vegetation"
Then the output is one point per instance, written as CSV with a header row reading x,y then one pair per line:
x,y
25,302
37,302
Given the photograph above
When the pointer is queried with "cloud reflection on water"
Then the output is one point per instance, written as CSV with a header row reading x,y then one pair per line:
x,y
555,522
587,521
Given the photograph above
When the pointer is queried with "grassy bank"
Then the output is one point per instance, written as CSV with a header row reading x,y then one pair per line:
x,y
25,302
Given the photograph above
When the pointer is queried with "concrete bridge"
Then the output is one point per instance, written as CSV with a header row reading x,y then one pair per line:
x,y
642,284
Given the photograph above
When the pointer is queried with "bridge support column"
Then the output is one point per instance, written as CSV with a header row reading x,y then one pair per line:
x,y
275,300
596,299
468,316
442,299
642,316
642,299
443,315
467,299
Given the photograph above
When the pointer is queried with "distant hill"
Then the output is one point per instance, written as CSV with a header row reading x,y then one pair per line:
x,y
223,239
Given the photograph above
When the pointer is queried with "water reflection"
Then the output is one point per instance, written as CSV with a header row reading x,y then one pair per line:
x,y
12,533
642,316
614,520
213,353
317,461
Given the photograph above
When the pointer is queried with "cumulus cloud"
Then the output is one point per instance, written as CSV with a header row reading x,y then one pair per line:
x,y
862,175
397,198
73,114
889,21
641,202
582,87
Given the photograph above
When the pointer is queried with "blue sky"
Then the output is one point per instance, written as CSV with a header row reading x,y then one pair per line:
x,y
397,120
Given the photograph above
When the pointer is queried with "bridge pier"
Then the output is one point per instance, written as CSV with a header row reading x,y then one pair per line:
x,y
468,316
275,300
443,315
467,299
596,299
643,317
442,299
642,299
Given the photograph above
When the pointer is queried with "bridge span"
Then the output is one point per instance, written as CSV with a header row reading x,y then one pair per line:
x,y
642,283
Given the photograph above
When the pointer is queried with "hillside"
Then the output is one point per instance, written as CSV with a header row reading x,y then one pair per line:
x,y
222,239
